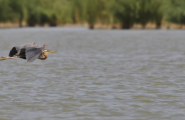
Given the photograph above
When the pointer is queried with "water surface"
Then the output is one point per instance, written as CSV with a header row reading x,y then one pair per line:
x,y
96,75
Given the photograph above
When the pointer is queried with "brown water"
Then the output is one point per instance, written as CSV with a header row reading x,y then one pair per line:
x,y
96,75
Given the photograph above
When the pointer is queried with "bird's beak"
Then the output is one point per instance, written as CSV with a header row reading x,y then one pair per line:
x,y
50,51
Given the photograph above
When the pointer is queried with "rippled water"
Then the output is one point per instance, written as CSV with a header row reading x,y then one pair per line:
x,y
96,75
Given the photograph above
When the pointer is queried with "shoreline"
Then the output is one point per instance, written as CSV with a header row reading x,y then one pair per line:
x,y
100,26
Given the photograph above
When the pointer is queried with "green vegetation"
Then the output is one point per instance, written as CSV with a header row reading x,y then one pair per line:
x,y
175,11
126,13
149,11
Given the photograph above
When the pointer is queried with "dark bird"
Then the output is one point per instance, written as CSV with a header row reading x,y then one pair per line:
x,y
29,51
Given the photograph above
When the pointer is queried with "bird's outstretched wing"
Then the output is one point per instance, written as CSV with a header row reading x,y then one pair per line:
x,y
17,49
13,51
26,45
32,53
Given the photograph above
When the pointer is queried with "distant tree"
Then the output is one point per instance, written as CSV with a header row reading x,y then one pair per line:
x,y
5,11
125,12
78,11
175,11
63,11
32,20
157,12
32,15
53,20
17,7
40,12
105,12
93,10
144,13
149,11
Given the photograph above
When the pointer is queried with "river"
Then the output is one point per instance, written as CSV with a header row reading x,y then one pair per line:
x,y
95,75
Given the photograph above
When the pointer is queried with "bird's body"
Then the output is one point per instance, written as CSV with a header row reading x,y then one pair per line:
x,y
28,51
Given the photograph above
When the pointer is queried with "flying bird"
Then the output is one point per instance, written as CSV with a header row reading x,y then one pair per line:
x,y
29,52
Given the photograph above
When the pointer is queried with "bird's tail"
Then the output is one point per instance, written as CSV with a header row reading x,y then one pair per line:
x,y
4,58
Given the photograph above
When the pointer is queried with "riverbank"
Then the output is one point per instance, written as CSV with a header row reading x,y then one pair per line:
x,y
100,26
